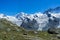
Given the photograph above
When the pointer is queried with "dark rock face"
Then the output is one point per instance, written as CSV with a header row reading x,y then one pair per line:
x,y
25,34
53,23
30,24
52,31
58,36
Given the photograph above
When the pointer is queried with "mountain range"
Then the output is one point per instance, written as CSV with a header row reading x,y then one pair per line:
x,y
37,21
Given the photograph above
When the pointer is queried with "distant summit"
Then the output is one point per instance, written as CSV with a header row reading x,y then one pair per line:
x,y
53,10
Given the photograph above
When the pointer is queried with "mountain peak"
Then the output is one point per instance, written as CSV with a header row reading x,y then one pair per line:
x,y
2,15
53,10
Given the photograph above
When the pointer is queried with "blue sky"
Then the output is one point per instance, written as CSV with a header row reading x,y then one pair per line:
x,y
12,7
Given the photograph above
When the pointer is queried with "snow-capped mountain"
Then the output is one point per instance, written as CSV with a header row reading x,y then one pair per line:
x,y
33,21
53,10
2,16
37,21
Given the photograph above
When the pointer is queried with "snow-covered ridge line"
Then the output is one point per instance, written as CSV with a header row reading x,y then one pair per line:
x,y
36,21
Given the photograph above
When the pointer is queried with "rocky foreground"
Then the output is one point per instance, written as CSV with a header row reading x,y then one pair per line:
x,y
9,31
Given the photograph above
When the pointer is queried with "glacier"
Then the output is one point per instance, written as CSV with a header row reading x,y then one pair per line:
x,y
37,21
